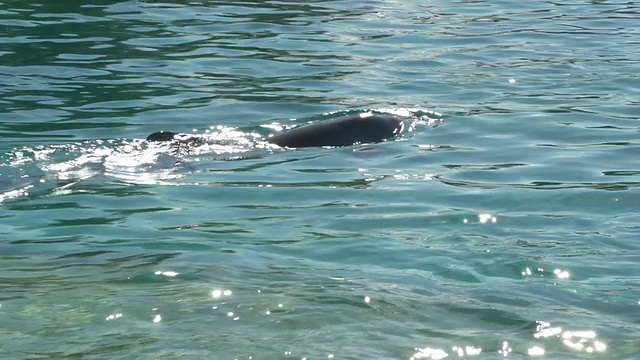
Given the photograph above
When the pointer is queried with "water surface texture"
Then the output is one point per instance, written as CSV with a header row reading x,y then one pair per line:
x,y
506,227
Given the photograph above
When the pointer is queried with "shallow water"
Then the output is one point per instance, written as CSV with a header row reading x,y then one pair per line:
x,y
505,227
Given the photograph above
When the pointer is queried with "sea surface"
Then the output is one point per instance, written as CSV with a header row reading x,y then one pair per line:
x,y
506,224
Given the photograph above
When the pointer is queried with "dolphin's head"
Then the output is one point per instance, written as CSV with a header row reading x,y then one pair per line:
x,y
162,136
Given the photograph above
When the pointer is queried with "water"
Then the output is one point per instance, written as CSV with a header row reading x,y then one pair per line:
x,y
506,227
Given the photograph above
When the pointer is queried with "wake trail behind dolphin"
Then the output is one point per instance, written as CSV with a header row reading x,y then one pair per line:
x,y
62,168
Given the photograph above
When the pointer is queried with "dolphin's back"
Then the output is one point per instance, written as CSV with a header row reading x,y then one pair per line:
x,y
344,131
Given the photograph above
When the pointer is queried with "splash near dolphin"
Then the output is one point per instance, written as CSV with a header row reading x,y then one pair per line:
x,y
343,131
171,158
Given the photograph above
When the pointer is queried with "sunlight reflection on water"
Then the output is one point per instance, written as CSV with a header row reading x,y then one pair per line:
x,y
582,341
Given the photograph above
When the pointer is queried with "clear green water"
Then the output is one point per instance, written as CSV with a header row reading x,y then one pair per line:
x,y
510,229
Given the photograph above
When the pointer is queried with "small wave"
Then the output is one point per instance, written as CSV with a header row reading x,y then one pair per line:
x,y
539,185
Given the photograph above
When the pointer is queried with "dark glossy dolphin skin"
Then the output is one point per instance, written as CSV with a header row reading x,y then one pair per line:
x,y
177,138
343,131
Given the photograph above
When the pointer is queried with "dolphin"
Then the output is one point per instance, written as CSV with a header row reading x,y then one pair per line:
x,y
343,131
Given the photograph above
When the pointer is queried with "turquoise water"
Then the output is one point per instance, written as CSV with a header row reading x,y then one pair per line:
x,y
506,227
